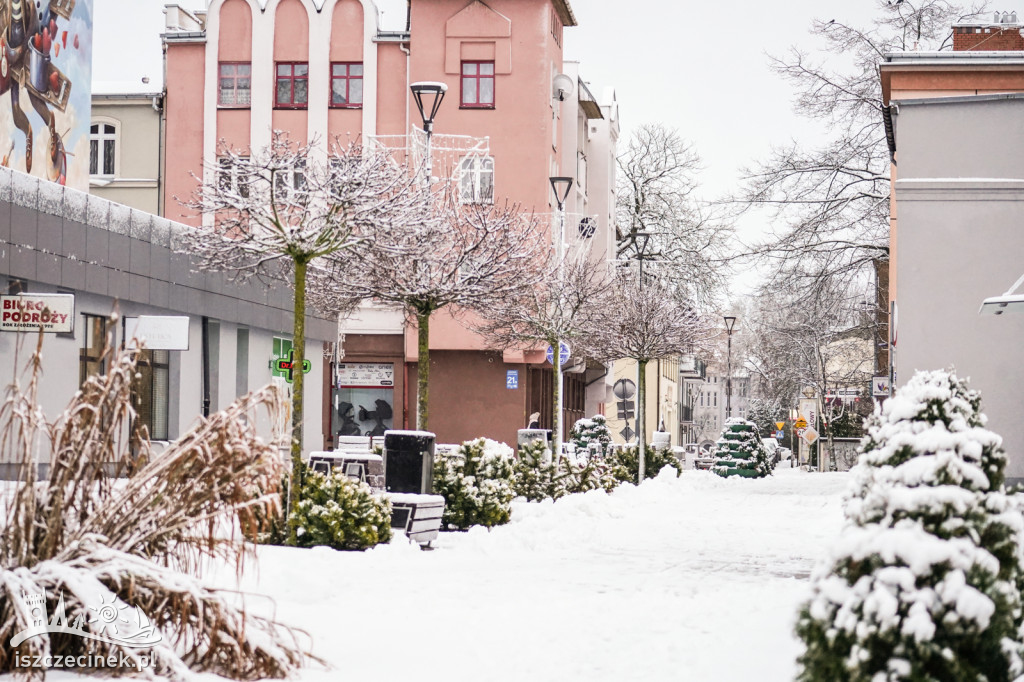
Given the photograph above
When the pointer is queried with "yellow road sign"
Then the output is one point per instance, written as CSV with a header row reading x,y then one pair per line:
x,y
780,425
800,423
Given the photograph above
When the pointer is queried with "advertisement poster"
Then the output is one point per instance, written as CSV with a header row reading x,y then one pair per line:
x,y
363,399
45,88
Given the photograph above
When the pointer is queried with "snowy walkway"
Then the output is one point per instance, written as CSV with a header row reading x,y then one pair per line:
x,y
697,578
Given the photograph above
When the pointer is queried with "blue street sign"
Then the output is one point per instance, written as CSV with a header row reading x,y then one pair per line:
x,y
512,379
563,354
780,435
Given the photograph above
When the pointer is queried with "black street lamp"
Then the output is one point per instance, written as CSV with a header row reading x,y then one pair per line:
x,y
730,324
428,97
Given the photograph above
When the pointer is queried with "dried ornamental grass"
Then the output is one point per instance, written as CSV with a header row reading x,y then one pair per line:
x,y
112,524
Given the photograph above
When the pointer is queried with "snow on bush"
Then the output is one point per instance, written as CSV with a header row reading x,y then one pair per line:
x,y
925,581
625,463
477,484
740,451
591,434
337,511
538,477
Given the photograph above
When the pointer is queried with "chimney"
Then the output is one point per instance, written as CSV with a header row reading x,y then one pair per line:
x,y
1002,34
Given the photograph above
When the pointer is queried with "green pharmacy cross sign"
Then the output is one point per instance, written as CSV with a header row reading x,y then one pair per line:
x,y
285,366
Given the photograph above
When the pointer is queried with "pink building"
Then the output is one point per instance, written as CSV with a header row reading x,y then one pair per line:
x,y
322,69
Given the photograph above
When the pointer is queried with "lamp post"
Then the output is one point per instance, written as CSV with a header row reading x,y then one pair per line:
x,y
642,242
560,185
730,324
428,97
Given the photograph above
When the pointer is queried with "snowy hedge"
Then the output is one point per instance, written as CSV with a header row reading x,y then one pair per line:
x,y
538,477
625,463
477,484
340,512
740,451
925,580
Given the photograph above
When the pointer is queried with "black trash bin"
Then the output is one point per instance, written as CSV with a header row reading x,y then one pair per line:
x,y
409,462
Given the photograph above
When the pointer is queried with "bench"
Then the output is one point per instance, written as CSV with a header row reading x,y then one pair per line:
x,y
418,516
361,465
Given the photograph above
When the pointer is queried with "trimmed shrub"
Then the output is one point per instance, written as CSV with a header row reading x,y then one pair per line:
x,y
626,464
740,451
477,484
537,478
925,580
337,511
593,432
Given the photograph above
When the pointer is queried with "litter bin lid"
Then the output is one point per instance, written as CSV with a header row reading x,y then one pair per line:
x,y
418,434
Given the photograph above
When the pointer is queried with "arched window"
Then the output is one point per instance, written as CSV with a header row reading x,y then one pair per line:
x,y
103,147
476,180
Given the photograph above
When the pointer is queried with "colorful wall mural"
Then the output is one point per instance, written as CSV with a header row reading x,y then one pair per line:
x,y
45,88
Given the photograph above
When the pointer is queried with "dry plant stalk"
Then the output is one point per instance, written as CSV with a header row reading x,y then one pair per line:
x,y
112,522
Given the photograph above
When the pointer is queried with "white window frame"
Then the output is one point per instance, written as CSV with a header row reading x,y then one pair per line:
x,y
289,181
231,174
101,137
473,188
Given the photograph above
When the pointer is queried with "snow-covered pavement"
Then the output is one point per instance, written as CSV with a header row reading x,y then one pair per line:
x,y
695,578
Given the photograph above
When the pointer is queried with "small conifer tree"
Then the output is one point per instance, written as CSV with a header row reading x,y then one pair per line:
x,y
592,434
740,451
925,580
477,484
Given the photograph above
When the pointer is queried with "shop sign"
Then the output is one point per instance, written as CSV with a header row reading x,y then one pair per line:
x,y
157,332
54,313
365,375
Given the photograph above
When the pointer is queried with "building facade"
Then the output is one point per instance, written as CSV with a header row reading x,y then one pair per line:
x,y
115,259
958,197
124,147
325,71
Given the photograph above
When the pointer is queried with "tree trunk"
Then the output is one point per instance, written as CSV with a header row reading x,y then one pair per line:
x,y
422,369
641,417
298,375
556,405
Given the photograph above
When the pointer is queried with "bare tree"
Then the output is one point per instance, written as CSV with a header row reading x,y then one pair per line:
x,y
644,319
656,195
277,212
462,257
825,344
563,305
833,200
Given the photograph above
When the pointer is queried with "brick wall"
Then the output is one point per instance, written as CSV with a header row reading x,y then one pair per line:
x,y
986,38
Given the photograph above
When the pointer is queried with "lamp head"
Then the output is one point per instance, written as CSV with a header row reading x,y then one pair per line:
x,y
428,96
730,323
561,187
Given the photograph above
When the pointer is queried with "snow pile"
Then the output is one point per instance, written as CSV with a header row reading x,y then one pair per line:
x,y
925,579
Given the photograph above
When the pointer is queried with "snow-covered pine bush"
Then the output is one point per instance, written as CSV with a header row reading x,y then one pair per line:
x,y
925,580
340,512
625,463
111,526
591,431
538,478
740,451
477,484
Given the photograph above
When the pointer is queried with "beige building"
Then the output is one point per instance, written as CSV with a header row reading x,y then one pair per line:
x,y
124,145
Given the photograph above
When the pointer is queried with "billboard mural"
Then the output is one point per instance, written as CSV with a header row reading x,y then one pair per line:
x,y
45,88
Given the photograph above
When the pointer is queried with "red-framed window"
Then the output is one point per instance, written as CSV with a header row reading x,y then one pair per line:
x,y
235,84
292,85
478,85
346,85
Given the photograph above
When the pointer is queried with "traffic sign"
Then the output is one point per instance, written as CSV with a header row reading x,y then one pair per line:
x,y
563,353
780,425
800,423
780,434
809,435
